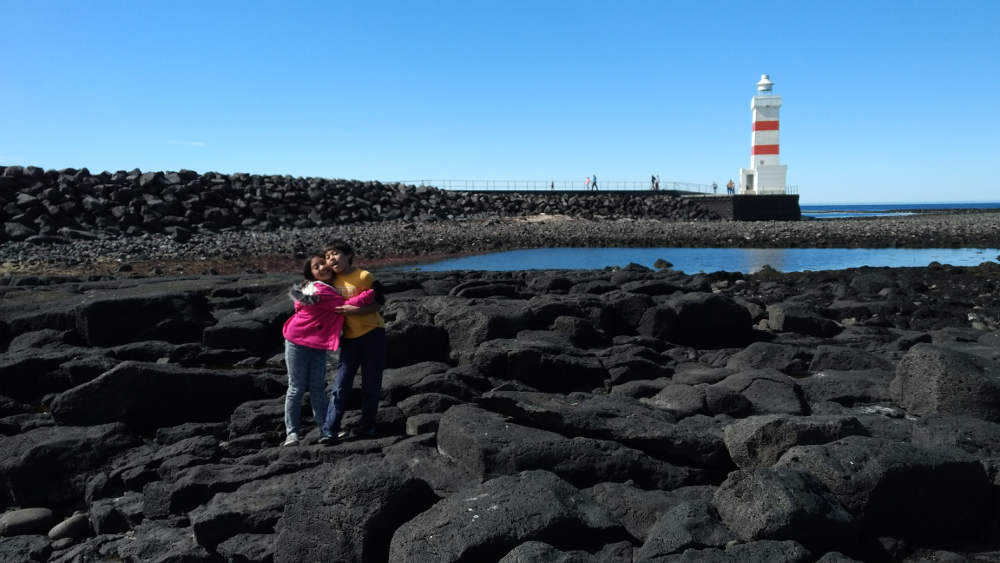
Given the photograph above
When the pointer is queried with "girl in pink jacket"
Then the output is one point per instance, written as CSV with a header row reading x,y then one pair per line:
x,y
309,334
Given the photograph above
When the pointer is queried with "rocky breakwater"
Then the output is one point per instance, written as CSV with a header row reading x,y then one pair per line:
x,y
624,415
46,206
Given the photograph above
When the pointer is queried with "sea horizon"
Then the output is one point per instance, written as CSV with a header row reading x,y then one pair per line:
x,y
986,204
850,210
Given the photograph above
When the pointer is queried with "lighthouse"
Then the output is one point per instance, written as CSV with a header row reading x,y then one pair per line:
x,y
766,174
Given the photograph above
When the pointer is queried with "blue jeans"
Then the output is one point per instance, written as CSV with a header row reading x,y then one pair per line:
x,y
306,371
367,352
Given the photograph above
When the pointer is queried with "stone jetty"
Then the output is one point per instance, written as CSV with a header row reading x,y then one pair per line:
x,y
613,415
61,205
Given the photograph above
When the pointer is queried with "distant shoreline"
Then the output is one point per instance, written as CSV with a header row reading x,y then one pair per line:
x,y
402,242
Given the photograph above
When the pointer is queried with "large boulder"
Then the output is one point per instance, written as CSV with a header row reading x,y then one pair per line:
x,y
352,516
484,523
193,486
783,504
759,441
696,440
258,331
43,338
848,359
800,318
35,547
50,466
933,379
686,525
687,400
490,446
897,489
469,323
431,377
547,308
158,541
659,322
28,374
254,507
760,355
174,317
543,365
426,403
974,436
848,388
133,469
422,459
622,312
410,343
768,391
248,547
581,332
639,509
710,319
693,373
535,551
156,395
633,362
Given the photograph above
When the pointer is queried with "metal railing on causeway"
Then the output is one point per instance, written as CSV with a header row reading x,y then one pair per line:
x,y
560,185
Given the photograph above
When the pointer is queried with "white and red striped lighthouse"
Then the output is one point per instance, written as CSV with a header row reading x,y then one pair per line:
x,y
766,174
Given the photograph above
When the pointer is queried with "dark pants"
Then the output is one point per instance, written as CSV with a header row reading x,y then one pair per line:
x,y
367,352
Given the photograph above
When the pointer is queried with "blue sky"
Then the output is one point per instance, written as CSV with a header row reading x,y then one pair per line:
x,y
883,101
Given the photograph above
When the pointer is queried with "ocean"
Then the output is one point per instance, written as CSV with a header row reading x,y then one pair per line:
x,y
849,210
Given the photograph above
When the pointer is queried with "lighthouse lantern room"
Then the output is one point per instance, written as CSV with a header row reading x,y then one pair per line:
x,y
766,174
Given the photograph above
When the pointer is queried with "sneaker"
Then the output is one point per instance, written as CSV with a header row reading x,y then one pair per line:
x,y
291,440
328,440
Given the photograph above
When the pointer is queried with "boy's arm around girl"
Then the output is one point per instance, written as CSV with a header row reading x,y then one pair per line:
x,y
326,299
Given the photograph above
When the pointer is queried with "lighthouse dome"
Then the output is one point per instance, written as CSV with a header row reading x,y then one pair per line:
x,y
765,84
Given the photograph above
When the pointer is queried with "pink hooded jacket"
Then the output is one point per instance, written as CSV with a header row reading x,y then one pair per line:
x,y
316,325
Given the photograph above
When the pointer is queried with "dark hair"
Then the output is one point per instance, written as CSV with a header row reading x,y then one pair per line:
x,y
307,268
343,247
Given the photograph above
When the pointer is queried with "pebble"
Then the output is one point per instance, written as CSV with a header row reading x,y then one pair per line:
x,y
25,521
76,526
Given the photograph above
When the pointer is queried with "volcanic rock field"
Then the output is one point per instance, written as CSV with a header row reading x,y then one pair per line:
x,y
618,415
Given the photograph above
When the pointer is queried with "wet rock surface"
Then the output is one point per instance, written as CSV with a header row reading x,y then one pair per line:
x,y
562,415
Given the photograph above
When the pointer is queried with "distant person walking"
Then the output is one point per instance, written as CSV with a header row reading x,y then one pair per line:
x,y
731,187
586,183
656,184
552,186
593,183
715,188
652,182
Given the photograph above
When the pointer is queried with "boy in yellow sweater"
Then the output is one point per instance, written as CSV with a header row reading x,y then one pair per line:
x,y
362,344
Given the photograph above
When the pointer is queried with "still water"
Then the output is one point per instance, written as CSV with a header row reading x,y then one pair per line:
x,y
694,260
852,210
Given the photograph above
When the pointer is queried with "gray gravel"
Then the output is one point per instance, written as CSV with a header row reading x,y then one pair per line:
x,y
399,239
